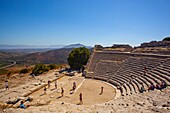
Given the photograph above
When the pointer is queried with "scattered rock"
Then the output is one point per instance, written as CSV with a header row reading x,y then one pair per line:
x,y
155,103
139,103
36,84
30,98
21,98
164,105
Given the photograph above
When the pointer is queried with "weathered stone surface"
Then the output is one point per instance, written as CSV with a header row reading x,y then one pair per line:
x,y
40,102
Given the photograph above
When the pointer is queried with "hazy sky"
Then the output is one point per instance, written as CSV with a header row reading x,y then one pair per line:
x,y
90,22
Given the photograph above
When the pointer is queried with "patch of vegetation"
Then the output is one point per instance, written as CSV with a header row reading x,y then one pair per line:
x,y
78,57
40,68
23,71
3,71
52,66
4,63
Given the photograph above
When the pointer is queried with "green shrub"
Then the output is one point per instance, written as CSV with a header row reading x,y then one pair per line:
x,y
39,69
52,66
23,71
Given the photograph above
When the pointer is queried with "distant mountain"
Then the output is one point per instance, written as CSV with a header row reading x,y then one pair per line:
x,y
40,47
43,55
6,55
76,46
29,46
26,51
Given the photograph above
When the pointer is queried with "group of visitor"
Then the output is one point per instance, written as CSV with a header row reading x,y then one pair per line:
x,y
152,86
158,86
62,92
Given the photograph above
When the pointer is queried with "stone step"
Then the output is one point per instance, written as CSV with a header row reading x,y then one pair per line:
x,y
118,79
101,78
125,89
129,88
164,68
122,90
157,76
144,81
153,78
161,75
166,64
151,81
136,84
124,78
114,82
162,71
134,87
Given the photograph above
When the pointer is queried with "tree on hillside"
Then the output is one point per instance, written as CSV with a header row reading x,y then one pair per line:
x,y
166,39
78,57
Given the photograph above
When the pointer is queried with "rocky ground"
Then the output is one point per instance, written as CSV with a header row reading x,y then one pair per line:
x,y
52,101
109,102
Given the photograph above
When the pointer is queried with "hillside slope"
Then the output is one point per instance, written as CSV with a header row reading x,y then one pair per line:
x,y
58,56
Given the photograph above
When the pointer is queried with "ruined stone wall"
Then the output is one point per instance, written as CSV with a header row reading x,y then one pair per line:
x,y
155,44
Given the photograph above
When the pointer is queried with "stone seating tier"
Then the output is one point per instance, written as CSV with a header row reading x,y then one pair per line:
x,y
130,73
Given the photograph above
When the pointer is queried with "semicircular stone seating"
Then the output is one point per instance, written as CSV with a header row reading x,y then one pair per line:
x,y
128,72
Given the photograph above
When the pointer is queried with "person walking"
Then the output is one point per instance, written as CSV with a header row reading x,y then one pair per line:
x,y
45,89
62,92
81,98
49,83
55,83
6,85
101,90
74,85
